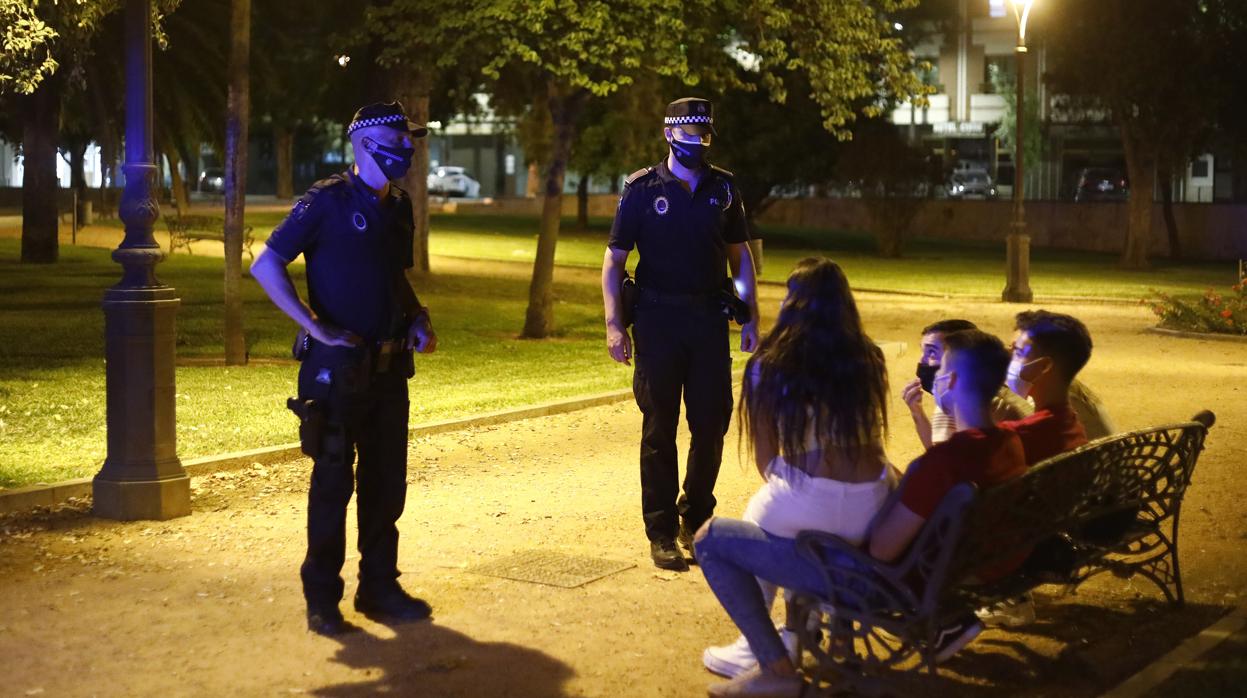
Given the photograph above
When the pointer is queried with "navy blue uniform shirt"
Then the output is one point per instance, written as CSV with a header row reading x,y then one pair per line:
x,y
682,236
356,247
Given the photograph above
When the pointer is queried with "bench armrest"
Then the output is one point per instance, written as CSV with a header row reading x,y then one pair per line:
x,y
859,586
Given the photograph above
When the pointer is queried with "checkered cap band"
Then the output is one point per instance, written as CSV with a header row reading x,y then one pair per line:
x,y
676,120
376,121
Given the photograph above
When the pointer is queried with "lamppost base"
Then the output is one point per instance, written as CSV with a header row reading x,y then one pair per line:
x,y
143,499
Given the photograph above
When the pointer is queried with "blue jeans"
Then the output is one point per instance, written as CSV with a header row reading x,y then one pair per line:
x,y
733,555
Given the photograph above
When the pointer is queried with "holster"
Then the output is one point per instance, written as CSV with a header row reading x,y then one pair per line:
x,y
733,307
627,299
302,344
313,424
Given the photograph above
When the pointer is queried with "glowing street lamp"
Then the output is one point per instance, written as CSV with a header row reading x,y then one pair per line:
x,y
1018,243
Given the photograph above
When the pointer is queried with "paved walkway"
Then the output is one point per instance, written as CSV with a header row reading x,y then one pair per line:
x,y
209,604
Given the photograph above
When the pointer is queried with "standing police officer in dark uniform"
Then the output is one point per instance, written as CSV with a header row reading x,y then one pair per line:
x,y
354,229
687,221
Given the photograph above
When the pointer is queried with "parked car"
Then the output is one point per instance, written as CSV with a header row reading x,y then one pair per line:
x,y
453,181
1101,184
212,180
970,184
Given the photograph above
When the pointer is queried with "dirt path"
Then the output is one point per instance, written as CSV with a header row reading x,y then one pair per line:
x,y
210,604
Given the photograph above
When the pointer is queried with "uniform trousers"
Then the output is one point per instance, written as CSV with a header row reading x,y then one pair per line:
x,y
680,351
366,416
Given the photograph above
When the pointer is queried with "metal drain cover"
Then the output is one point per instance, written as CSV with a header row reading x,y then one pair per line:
x,y
554,569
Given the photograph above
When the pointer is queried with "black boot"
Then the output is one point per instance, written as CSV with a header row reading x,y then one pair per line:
x,y
391,605
667,556
327,620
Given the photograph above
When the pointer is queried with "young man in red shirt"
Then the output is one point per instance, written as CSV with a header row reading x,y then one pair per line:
x,y
1049,349
971,371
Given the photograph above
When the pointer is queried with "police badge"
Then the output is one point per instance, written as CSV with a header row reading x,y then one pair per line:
x,y
661,205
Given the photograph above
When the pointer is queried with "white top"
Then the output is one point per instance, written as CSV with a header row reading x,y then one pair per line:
x,y
792,501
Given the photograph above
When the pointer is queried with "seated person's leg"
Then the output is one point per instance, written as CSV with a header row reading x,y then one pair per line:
x,y
736,554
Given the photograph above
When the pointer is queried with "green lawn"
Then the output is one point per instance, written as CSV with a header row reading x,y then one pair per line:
x,y
929,266
52,371
51,332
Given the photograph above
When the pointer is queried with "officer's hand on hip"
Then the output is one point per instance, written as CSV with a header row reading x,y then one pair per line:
x,y
749,336
332,336
422,338
618,344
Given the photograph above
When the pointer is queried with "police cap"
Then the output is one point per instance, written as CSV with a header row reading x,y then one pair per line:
x,y
693,114
386,114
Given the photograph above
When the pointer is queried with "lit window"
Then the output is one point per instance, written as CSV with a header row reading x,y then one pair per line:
x,y
996,8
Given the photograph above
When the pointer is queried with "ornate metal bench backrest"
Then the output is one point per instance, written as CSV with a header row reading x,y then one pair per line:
x,y
1144,471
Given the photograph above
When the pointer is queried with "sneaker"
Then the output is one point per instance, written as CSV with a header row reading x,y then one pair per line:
x,y
759,684
737,658
1011,613
954,637
667,556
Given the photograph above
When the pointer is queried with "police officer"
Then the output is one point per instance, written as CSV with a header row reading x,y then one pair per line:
x,y
686,220
360,326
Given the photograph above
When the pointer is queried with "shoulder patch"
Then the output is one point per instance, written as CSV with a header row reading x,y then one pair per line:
x,y
637,175
721,171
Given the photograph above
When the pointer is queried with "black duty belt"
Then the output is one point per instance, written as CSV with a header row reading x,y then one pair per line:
x,y
649,296
370,357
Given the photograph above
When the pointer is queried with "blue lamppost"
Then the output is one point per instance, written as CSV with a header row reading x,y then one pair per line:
x,y
1018,243
142,477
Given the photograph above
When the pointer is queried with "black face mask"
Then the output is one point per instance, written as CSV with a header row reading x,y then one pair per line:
x,y
926,375
394,162
690,155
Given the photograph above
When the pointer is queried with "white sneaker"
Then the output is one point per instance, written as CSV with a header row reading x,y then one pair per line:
x,y
737,658
756,684
1012,613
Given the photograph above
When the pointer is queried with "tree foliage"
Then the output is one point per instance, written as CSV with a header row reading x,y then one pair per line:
x,y
893,177
26,41
1156,69
850,53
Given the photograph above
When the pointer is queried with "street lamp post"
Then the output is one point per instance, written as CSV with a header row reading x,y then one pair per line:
x,y
1018,243
142,477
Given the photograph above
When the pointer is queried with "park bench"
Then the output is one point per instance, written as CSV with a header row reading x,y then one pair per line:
x,y
1112,505
183,230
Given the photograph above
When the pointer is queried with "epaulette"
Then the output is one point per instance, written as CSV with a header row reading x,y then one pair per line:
x,y
720,170
637,175
333,186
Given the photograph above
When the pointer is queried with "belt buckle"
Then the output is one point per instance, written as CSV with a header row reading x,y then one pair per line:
x,y
383,356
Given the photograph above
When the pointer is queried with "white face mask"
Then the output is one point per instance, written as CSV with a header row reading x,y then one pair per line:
x,y
1014,379
939,391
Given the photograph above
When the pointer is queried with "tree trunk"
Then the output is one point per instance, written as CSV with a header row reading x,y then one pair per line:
x,y
582,204
413,90
181,198
237,115
40,133
1238,179
1165,175
78,180
1141,165
533,181
283,151
564,111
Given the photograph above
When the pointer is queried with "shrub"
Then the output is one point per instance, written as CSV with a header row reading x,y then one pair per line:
x,y
1211,312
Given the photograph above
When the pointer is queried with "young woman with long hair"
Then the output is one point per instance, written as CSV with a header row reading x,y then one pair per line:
x,y
814,408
